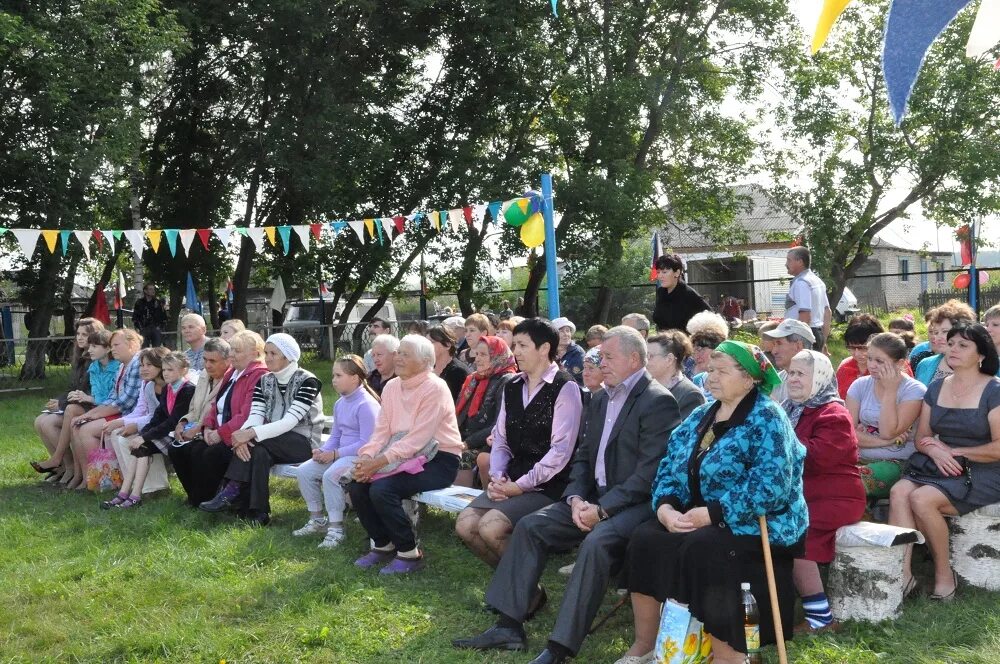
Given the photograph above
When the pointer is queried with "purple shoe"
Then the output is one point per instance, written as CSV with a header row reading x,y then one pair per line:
x,y
373,558
403,566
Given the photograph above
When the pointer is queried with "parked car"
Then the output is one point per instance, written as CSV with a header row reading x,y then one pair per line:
x,y
302,321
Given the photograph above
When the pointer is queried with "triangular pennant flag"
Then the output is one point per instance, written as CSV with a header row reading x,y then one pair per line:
x,y
986,30
317,231
135,240
117,235
64,240
399,222
154,237
187,237
338,226
269,230
832,9
99,236
257,235
435,220
494,208
910,30
224,234
27,238
171,234
2,231
370,227
443,220
205,234
286,237
478,214
83,237
387,226
377,222
302,230
358,227
51,237
242,230
455,219
555,8
467,214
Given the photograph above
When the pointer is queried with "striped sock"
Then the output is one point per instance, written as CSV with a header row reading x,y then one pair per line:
x,y
817,610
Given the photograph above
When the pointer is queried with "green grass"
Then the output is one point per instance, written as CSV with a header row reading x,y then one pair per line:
x,y
168,584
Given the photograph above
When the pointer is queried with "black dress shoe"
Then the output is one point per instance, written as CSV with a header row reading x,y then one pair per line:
x,y
218,504
259,519
548,657
495,638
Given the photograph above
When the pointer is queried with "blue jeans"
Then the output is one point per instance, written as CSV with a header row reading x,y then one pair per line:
x,y
380,503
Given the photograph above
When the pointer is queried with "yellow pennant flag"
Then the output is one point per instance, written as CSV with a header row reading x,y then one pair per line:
x,y
436,220
270,234
154,239
51,237
370,225
832,9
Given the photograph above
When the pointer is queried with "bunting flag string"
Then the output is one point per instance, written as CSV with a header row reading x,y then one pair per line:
x,y
379,229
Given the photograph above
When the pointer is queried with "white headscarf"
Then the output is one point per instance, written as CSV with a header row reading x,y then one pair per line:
x,y
287,345
824,385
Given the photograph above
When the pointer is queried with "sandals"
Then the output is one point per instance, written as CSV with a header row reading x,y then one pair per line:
x,y
40,469
114,502
950,596
129,502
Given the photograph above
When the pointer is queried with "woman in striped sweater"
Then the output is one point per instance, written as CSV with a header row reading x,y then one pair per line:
x,y
285,424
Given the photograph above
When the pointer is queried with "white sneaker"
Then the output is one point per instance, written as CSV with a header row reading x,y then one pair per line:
x,y
567,570
412,509
334,536
313,527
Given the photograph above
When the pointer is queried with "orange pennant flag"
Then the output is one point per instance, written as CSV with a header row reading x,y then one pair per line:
x,y
269,230
370,226
154,239
51,237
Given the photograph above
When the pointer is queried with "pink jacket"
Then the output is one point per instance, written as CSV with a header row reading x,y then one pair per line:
x,y
240,398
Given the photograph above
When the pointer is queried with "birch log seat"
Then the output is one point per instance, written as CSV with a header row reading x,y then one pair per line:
x,y
866,576
975,547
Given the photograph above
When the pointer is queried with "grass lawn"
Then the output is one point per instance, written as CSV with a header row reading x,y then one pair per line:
x,y
169,584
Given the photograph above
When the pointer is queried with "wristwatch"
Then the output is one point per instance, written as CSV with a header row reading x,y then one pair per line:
x,y
601,514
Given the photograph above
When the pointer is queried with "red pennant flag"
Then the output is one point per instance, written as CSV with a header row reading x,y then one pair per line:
x,y
204,234
400,222
317,230
100,241
467,213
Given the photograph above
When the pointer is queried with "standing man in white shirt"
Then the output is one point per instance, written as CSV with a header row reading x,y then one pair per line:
x,y
806,300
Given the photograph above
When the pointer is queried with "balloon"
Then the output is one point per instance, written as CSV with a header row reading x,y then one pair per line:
x,y
533,231
984,278
518,211
962,280
536,200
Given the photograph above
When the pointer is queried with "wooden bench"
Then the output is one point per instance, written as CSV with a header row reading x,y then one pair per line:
x,y
288,469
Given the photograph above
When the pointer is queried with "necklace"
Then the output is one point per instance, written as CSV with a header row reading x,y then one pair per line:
x,y
955,392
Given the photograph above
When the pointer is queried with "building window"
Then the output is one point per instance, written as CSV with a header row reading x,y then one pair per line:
x,y
939,272
904,269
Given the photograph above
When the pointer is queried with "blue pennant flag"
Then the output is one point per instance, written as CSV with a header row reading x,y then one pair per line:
x,y
64,238
171,234
495,211
286,237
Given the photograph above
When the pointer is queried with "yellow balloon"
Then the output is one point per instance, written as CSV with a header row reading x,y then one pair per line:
x,y
533,231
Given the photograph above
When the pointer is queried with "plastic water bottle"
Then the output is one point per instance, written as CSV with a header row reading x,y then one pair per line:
x,y
751,626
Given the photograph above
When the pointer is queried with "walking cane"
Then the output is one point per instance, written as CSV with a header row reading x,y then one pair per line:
x,y
772,589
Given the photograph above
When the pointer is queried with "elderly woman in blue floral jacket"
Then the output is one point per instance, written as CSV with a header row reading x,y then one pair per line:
x,y
728,463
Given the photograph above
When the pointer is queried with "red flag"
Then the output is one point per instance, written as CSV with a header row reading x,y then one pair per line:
x,y
657,252
317,230
964,235
100,239
399,220
204,234
100,308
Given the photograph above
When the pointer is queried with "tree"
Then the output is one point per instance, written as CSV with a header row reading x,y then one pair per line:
x,y
857,172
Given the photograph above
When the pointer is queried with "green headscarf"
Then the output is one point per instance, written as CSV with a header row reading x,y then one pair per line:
x,y
753,360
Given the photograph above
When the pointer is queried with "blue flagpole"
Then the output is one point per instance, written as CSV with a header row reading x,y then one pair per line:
x,y
551,275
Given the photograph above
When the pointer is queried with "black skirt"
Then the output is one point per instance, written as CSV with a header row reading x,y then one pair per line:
x,y
515,508
704,569
147,449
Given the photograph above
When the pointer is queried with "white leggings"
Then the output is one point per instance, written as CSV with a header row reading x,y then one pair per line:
x,y
320,483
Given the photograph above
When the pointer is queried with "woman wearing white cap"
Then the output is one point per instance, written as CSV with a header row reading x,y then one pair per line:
x,y
285,424
569,355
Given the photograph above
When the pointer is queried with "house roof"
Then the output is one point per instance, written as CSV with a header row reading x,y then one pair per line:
x,y
882,243
759,220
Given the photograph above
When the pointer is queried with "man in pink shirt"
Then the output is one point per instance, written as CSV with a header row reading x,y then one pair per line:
x,y
415,447
624,435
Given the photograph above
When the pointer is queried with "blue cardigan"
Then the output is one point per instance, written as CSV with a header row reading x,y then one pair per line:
x,y
928,367
754,468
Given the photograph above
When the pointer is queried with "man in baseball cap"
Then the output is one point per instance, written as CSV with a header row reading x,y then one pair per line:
x,y
788,338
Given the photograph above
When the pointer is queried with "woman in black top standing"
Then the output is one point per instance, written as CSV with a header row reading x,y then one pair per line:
x,y
676,302
446,365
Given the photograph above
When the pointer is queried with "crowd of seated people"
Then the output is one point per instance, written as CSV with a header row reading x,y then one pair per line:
x,y
652,452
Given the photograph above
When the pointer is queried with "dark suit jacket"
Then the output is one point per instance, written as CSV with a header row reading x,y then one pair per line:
x,y
637,443
688,396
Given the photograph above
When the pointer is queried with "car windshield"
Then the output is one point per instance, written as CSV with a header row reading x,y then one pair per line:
x,y
303,312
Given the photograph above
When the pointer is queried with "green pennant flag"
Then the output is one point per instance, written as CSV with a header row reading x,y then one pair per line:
x,y
171,234
64,238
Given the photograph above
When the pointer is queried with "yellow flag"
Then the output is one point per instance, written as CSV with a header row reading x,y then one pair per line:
x,y
51,237
154,239
832,9
270,234
370,225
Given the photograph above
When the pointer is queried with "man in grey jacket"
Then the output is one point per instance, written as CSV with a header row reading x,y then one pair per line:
x,y
625,433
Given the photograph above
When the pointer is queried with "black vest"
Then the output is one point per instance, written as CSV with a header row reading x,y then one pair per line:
x,y
529,430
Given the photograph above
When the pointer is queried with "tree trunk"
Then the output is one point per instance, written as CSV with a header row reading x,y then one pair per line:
x,y
42,305
470,264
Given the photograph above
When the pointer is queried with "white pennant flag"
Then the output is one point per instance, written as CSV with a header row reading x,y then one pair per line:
x,y
257,235
83,237
389,227
358,226
27,238
478,214
302,230
136,240
985,32
187,237
455,219
223,234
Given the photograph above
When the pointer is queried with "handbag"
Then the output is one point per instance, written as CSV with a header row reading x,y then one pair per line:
x,y
103,471
921,464
681,638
